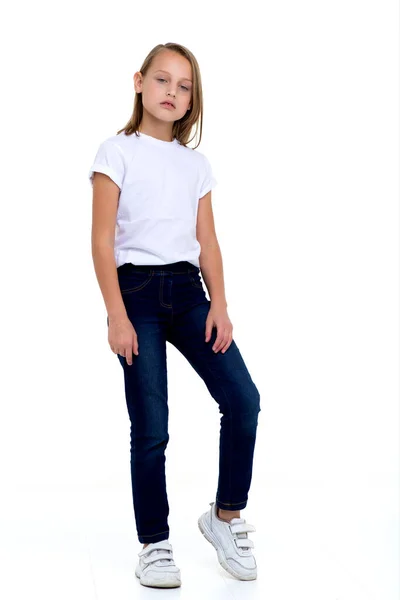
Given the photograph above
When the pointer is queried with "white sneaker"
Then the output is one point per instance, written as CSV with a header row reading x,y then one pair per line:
x,y
156,567
231,543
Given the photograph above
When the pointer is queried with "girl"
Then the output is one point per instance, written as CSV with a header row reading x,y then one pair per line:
x,y
152,234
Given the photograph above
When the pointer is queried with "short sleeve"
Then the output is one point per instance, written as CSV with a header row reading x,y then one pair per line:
x,y
109,160
208,180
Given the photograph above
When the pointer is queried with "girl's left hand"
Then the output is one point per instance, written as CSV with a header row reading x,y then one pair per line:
x,y
218,317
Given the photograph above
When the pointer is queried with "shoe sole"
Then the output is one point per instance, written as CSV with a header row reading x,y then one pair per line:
x,y
169,581
225,565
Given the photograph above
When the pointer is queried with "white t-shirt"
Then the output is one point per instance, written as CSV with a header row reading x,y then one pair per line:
x,y
161,184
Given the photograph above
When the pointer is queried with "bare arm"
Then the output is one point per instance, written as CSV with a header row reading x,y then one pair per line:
x,y
104,212
210,258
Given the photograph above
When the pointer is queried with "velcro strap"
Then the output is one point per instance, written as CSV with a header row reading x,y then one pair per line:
x,y
164,545
154,556
242,528
244,543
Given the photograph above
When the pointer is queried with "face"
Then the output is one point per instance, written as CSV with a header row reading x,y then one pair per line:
x,y
168,79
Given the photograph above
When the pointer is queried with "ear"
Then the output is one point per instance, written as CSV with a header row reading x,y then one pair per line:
x,y
137,81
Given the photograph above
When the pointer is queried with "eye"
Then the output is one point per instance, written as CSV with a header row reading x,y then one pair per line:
x,y
185,88
161,79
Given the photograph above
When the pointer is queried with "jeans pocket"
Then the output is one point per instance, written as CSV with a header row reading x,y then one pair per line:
x,y
195,279
134,281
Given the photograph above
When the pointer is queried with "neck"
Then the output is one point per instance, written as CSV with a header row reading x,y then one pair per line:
x,y
158,129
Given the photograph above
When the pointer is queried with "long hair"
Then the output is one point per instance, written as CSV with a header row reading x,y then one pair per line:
x,y
194,117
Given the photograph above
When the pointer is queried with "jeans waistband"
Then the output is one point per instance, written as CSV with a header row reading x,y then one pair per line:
x,y
182,267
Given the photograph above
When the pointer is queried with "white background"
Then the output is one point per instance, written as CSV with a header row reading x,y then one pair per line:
x,y
301,126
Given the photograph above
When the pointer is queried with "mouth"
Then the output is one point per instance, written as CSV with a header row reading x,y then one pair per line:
x,y
167,104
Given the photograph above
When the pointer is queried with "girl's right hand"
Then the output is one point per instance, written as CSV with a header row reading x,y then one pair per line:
x,y
122,338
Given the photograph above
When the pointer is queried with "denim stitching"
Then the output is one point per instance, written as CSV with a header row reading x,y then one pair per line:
x,y
139,287
160,292
231,503
194,282
153,534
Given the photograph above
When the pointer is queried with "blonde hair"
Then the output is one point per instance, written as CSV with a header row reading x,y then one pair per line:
x,y
183,127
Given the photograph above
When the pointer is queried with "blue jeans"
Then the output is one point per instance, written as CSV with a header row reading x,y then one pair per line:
x,y
168,303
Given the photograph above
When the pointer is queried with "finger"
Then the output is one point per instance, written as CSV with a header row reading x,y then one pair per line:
x,y
227,345
226,339
208,329
128,356
220,341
